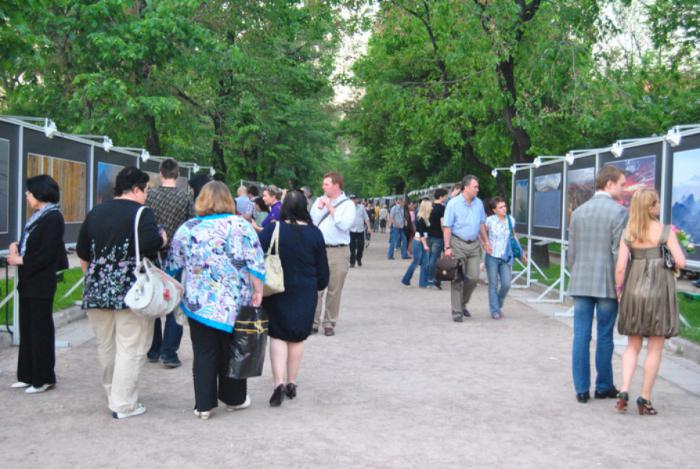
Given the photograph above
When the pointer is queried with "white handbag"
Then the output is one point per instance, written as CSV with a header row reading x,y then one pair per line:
x,y
274,275
155,293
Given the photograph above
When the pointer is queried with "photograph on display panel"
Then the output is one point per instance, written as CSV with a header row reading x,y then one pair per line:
x,y
547,201
71,178
4,185
580,186
106,179
639,173
522,189
685,193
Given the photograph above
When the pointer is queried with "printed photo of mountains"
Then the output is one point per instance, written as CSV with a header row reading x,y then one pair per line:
x,y
522,189
580,186
547,201
685,194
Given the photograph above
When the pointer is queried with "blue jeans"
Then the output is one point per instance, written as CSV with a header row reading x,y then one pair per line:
x,y
497,270
396,236
420,258
165,344
436,245
606,312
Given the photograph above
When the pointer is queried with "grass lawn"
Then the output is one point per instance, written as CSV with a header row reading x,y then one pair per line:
x,y
552,273
70,277
690,309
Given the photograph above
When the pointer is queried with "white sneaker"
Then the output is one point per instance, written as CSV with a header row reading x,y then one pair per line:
x,y
202,415
42,388
140,409
245,405
20,385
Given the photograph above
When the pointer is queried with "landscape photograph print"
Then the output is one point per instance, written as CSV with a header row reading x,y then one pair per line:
x,y
580,186
639,173
4,185
522,188
547,201
685,194
71,177
106,178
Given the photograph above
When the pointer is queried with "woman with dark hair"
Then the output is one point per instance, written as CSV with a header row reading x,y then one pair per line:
x,y
271,196
261,210
39,254
302,251
106,248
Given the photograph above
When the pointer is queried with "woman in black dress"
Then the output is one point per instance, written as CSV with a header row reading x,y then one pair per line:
x,y
303,254
39,254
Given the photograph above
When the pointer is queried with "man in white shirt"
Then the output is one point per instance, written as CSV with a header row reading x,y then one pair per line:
x,y
333,214
357,232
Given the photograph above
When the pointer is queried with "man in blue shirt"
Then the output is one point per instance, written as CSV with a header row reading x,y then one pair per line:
x,y
464,233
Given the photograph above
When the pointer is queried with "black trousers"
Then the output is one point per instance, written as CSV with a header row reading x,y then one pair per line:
x,y
211,351
357,247
37,345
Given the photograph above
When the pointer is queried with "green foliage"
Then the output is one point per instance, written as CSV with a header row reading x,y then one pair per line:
x,y
455,87
244,85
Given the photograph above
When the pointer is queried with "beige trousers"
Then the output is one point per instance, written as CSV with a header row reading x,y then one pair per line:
x,y
123,339
338,266
470,255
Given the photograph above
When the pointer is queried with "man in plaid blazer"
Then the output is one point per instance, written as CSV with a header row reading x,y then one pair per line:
x,y
594,240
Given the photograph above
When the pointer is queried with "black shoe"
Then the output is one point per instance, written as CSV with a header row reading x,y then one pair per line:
x,y
583,397
277,396
611,394
153,358
352,265
314,330
291,390
457,317
172,362
466,313
359,263
438,285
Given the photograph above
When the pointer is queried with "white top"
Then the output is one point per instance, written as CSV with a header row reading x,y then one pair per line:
x,y
335,229
499,235
358,226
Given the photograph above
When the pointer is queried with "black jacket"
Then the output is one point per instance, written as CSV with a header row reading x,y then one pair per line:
x,y
44,256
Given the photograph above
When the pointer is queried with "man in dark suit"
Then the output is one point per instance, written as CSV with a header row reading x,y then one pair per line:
x,y
594,240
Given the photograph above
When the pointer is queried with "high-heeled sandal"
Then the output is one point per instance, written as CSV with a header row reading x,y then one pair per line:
x,y
622,399
645,407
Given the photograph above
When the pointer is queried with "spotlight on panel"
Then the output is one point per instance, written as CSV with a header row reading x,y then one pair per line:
x,y
195,168
50,128
107,143
212,172
513,168
494,172
538,162
617,149
569,158
145,156
673,137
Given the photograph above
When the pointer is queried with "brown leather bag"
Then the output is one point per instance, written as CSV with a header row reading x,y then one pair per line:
x,y
447,269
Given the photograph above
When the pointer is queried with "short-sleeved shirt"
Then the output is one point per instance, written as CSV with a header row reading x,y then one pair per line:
x,y
172,208
499,235
216,254
244,206
358,225
465,219
436,215
397,217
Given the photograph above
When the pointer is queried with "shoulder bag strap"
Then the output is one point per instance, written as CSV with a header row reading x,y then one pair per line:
x,y
328,213
136,234
275,239
510,226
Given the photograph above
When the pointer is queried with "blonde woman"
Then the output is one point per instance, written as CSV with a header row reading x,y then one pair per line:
x,y
420,248
647,293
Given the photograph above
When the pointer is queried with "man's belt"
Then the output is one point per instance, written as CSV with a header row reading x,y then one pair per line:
x,y
465,241
336,245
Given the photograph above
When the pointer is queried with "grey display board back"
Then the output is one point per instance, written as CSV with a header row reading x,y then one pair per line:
x,y
9,156
547,199
682,200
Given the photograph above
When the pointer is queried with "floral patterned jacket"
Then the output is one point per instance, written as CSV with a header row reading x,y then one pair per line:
x,y
216,255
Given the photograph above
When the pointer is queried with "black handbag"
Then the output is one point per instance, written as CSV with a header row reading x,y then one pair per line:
x,y
247,348
669,261
447,269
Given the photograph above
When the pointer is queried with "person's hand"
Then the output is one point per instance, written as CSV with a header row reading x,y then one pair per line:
x,y
488,248
322,201
15,259
14,248
426,248
448,252
164,237
257,298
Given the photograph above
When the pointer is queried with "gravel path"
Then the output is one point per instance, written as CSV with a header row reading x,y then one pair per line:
x,y
400,385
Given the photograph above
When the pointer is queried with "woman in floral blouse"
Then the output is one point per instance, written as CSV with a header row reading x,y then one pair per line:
x,y
223,269
500,260
106,250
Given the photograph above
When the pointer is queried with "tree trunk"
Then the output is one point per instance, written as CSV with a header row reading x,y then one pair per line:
x,y
153,139
217,150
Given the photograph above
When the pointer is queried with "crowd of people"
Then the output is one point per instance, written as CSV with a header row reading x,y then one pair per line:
x,y
215,245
